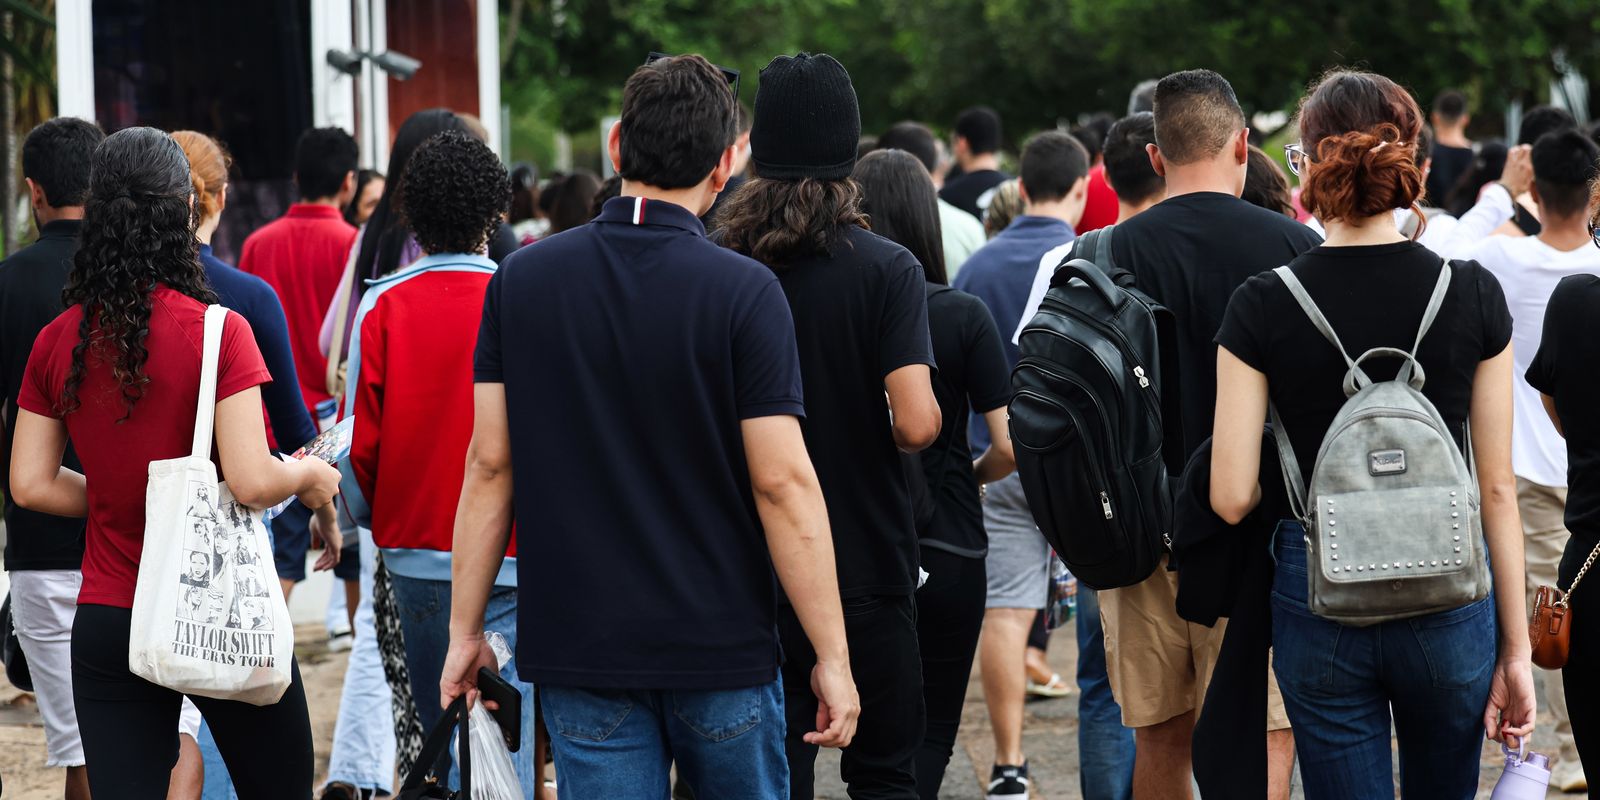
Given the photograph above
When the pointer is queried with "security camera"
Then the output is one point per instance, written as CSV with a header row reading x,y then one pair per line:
x,y
346,61
399,65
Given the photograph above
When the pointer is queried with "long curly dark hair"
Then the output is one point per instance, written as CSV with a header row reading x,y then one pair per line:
x,y
138,232
779,222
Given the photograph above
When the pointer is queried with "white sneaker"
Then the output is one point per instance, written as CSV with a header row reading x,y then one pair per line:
x,y
1568,777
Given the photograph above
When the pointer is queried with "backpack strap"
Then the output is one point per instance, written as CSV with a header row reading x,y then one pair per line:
x,y
1309,306
1289,465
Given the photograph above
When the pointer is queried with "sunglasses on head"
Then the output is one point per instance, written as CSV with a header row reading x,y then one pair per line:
x,y
731,75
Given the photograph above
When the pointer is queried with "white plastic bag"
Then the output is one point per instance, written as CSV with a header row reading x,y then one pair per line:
x,y
494,777
209,617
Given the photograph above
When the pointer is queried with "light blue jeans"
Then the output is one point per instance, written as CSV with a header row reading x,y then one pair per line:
x,y
1105,748
1342,685
621,744
363,738
425,619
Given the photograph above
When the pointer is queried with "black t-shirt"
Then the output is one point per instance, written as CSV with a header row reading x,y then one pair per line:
x,y
969,191
1373,296
972,377
1190,253
30,297
1567,368
859,315
630,350
1449,164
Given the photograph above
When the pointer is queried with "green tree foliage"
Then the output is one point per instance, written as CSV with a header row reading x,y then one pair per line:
x,y
1043,61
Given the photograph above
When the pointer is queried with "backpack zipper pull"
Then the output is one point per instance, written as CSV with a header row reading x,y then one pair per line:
x,y
1144,382
1105,504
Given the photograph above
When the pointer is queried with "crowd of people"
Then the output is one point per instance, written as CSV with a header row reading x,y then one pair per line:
x,y
720,447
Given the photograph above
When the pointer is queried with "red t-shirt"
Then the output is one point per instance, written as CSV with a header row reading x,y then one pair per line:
x,y
302,255
116,455
1101,208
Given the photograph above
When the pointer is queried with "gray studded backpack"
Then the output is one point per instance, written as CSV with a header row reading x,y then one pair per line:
x,y
1392,524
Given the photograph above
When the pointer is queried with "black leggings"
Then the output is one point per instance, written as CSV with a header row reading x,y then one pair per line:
x,y
1583,667
949,619
130,725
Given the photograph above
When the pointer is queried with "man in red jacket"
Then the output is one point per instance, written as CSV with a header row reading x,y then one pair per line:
x,y
411,394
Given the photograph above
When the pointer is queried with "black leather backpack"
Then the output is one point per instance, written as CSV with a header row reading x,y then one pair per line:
x,y
1094,417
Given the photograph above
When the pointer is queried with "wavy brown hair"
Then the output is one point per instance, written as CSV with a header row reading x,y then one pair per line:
x,y
138,233
780,222
1362,132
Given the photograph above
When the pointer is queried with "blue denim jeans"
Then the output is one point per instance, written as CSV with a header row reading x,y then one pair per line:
x,y
621,744
1105,748
1342,683
425,620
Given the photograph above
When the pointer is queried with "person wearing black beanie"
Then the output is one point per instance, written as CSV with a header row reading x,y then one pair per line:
x,y
861,321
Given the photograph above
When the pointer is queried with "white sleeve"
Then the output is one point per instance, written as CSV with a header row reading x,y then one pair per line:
x,y
1495,208
1041,284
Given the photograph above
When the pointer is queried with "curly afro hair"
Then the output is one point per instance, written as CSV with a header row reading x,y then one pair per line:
x,y
454,194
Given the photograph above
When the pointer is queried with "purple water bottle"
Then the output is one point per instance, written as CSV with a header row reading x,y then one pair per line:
x,y
1527,775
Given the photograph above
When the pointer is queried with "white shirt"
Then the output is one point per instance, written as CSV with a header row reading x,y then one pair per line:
x,y
1041,285
1450,237
963,235
1528,271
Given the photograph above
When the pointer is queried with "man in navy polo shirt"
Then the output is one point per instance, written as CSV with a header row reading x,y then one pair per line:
x,y
638,400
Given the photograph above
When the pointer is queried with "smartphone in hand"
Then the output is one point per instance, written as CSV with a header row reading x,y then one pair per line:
x,y
499,691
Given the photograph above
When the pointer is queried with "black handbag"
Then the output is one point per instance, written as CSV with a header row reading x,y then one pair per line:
x,y
422,783
11,650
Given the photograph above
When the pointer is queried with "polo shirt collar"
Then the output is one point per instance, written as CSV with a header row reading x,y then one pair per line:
x,y
64,228
644,211
313,211
1031,223
434,262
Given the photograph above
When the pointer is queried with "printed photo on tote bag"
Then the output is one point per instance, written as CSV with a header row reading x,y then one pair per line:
x,y
209,617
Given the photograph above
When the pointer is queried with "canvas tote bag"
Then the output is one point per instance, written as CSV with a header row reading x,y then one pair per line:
x,y
209,617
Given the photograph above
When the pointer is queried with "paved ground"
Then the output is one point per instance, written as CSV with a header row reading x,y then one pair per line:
x,y
1050,737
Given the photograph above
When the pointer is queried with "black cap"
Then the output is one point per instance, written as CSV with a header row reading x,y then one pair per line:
x,y
807,121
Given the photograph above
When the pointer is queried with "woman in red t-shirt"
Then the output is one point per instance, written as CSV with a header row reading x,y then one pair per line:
x,y
118,373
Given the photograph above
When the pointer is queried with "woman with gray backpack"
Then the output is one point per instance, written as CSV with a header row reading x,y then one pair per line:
x,y
1398,593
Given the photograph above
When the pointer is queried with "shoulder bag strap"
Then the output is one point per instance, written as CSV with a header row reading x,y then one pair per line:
x,y
1441,287
1102,248
1309,306
205,411
341,307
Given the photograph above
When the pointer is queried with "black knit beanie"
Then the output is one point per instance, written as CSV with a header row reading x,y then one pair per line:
x,y
807,122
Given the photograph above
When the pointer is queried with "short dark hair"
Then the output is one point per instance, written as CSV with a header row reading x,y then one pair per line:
x,y
1450,105
1052,162
322,159
980,126
454,193
56,156
1541,120
1092,134
1196,112
914,138
1564,164
1127,162
678,116
1424,145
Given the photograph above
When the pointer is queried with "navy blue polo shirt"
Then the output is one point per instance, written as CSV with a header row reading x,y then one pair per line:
x,y
630,349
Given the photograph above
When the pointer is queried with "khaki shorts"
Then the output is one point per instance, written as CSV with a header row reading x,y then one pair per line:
x,y
1160,663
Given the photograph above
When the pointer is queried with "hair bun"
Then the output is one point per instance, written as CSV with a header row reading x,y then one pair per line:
x,y
1361,174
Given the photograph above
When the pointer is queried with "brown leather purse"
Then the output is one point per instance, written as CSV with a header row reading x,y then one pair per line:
x,y
1550,627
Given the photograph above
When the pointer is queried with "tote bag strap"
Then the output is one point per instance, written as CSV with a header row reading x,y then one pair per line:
x,y
205,411
341,307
